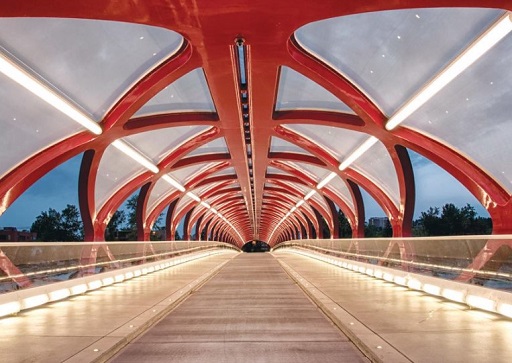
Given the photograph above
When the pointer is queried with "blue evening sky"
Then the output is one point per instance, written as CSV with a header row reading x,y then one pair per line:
x,y
434,188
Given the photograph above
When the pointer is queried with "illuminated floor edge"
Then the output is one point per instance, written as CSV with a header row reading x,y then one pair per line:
x,y
93,326
478,297
16,301
421,327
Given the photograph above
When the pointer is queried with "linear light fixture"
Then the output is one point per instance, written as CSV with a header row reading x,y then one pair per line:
x,y
135,155
193,196
206,205
300,202
20,75
358,152
326,180
478,48
173,182
310,194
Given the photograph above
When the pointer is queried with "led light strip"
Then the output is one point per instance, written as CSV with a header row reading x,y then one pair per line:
x,y
14,302
20,75
475,296
486,41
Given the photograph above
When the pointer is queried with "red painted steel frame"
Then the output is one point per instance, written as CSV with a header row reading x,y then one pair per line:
x,y
209,29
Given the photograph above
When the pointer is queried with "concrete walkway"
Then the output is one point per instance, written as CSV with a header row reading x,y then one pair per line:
x,y
87,328
251,311
383,317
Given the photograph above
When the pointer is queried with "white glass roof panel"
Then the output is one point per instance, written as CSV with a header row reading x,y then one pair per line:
x,y
28,130
376,165
183,175
391,54
226,171
217,146
159,192
319,198
96,70
299,92
189,93
185,200
159,143
279,145
339,187
339,142
316,172
474,113
273,170
114,171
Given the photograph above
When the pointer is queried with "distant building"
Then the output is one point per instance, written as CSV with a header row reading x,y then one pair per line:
x,y
379,222
11,234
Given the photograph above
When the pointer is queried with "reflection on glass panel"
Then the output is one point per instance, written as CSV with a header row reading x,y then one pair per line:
x,y
115,170
299,92
95,71
279,145
189,93
473,113
391,54
339,187
47,263
159,143
217,146
339,142
376,165
28,130
441,257
158,193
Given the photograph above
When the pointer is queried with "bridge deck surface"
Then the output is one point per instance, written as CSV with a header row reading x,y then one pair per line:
x,y
251,311
421,327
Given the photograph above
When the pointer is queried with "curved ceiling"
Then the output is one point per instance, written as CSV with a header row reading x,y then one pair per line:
x,y
256,121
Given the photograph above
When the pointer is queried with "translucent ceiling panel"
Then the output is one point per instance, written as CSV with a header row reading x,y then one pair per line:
x,y
114,171
158,193
28,130
474,113
183,175
227,171
314,171
320,200
189,93
376,165
92,62
272,170
217,146
299,92
184,201
279,145
339,142
392,54
159,143
339,187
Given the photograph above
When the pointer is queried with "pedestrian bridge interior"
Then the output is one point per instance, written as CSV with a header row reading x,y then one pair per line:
x,y
250,125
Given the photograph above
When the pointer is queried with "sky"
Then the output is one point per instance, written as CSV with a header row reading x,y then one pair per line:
x,y
434,188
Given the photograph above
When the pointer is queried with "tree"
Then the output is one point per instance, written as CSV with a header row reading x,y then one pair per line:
x,y
71,224
345,229
47,226
114,225
53,226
